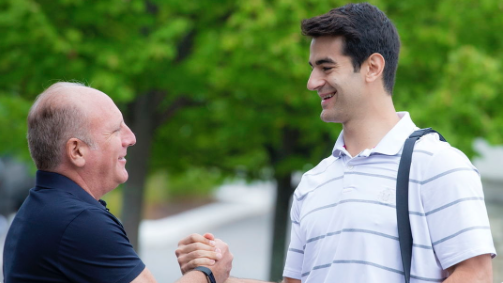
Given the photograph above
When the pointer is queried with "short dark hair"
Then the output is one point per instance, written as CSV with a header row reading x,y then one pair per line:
x,y
366,30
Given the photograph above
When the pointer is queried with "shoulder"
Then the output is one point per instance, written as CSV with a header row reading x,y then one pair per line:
x,y
443,173
52,211
92,222
90,241
434,157
314,177
433,146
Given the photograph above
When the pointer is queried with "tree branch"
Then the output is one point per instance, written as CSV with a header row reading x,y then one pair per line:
x,y
179,103
184,48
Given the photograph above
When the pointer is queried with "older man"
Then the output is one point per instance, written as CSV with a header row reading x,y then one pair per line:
x,y
64,232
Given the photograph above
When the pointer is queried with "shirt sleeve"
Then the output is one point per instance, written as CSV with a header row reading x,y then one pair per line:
x,y
95,248
295,253
455,210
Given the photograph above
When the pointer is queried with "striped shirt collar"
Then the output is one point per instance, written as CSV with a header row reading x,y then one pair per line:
x,y
392,142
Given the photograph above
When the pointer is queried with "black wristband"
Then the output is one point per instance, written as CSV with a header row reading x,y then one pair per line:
x,y
208,273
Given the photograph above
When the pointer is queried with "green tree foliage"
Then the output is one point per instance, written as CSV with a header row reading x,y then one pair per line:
x,y
451,67
221,84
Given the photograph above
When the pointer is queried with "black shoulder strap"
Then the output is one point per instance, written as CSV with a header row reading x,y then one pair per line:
x,y
402,199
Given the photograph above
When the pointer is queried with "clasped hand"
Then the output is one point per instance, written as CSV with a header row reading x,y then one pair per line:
x,y
204,250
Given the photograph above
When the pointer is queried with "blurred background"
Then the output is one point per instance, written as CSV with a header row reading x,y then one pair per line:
x,y
215,92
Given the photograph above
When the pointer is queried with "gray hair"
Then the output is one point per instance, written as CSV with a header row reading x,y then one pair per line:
x,y
54,118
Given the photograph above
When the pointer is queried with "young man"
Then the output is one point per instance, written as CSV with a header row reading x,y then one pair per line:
x,y
344,226
63,232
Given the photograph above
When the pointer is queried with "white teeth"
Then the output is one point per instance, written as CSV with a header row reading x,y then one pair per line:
x,y
329,96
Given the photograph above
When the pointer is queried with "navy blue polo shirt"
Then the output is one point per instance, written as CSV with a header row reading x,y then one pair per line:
x,y
62,234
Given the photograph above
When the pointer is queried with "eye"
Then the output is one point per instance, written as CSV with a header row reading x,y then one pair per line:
x,y
327,68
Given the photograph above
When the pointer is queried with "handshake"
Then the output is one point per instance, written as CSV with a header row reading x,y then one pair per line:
x,y
197,251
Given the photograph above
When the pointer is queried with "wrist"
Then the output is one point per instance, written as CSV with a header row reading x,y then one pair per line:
x,y
207,272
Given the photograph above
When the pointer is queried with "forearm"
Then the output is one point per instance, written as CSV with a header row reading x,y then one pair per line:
x,y
193,277
461,277
239,280
474,270
467,277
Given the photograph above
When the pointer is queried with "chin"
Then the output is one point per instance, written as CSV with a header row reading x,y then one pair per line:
x,y
326,118
331,116
123,177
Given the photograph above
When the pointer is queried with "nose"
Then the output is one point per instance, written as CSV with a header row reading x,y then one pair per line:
x,y
128,138
315,80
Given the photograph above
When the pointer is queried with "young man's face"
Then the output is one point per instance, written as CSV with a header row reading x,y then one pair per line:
x,y
333,77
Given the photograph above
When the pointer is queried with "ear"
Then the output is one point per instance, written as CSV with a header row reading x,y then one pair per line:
x,y
375,66
76,151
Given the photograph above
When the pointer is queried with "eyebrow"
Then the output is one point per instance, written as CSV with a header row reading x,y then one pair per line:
x,y
323,61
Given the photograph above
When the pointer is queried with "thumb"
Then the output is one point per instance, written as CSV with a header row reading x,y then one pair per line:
x,y
209,236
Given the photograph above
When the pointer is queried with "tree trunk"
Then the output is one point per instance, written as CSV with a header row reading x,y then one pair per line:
x,y
142,124
144,118
284,191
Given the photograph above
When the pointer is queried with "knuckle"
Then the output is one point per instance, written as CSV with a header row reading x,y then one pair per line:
x,y
188,266
193,237
194,263
181,261
178,252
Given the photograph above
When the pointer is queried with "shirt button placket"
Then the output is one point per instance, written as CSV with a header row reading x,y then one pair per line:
x,y
349,179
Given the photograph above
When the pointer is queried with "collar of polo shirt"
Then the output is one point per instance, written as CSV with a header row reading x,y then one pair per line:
x,y
392,142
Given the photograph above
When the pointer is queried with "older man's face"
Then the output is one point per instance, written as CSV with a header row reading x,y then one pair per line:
x,y
111,137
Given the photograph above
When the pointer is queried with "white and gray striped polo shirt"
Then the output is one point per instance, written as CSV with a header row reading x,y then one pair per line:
x,y
344,215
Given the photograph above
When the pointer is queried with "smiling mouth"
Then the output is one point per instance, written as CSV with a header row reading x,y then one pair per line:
x,y
328,96
122,158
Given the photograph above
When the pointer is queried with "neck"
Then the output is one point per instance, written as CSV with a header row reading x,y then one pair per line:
x,y
366,131
78,179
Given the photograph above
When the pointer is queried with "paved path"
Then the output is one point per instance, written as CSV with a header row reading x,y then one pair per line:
x,y
242,218
249,240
